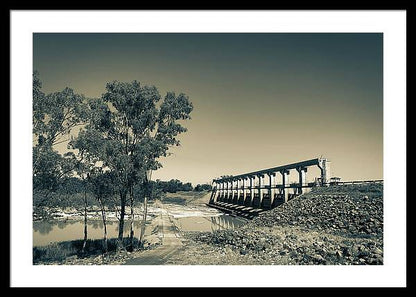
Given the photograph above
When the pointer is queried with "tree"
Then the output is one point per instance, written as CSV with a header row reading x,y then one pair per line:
x,y
173,186
127,132
203,187
102,188
83,167
88,163
54,117
49,171
55,114
187,187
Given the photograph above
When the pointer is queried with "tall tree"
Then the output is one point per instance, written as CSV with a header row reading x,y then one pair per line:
x,y
128,132
55,115
102,188
83,168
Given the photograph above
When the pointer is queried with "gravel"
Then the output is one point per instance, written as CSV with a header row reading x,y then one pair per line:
x,y
337,225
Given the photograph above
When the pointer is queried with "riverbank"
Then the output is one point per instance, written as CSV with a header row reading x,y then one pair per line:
x,y
93,213
71,253
189,199
328,226
52,247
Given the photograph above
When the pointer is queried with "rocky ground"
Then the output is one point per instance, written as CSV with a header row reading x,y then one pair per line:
x,y
340,225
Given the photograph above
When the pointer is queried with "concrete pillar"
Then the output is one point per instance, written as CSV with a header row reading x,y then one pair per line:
x,y
215,186
302,178
247,186
324,165
225,189
252,189
285,181
230,192
220,189
261,177
213,193
238,188
271,185
244,189
235,186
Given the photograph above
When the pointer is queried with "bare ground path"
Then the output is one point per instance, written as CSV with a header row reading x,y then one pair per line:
x,y
171,244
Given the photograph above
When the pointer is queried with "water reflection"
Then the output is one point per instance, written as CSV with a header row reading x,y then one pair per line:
x,y
42,227
46,232
208,223
225,222
63,224
97,224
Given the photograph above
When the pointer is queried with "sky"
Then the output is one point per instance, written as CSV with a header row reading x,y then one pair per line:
x,y
260,99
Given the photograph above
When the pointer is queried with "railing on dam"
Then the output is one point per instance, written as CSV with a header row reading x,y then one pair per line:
x,y
253,191
357,182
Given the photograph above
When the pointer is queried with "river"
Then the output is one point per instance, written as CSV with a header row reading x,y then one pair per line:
x,y
184,217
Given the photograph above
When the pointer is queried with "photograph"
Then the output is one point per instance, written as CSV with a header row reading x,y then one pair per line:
x,y
208,148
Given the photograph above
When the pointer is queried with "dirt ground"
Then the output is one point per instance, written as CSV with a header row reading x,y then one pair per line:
x,y
250,244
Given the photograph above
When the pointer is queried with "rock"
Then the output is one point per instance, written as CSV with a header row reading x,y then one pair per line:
x,y
318,258
342,211
377,251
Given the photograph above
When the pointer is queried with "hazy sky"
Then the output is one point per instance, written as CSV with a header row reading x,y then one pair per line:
x,y
260,100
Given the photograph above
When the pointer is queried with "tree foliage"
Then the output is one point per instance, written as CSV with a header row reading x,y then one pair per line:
x,y
173,186
202,187
128,130
54,117
121,136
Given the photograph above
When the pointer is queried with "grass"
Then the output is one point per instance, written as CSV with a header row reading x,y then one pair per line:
x,y
60,251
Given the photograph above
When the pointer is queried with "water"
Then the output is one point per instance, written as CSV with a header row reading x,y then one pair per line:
x,y
201,218
186,218
46,232
208,223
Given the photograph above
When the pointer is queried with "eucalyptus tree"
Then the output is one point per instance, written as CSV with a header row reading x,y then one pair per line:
x,y
87,145
55,115
102,185
83,167
129,130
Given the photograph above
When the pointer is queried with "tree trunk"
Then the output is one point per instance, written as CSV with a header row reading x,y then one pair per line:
x,y
103,215
121,221
85,221
143,227
131,218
